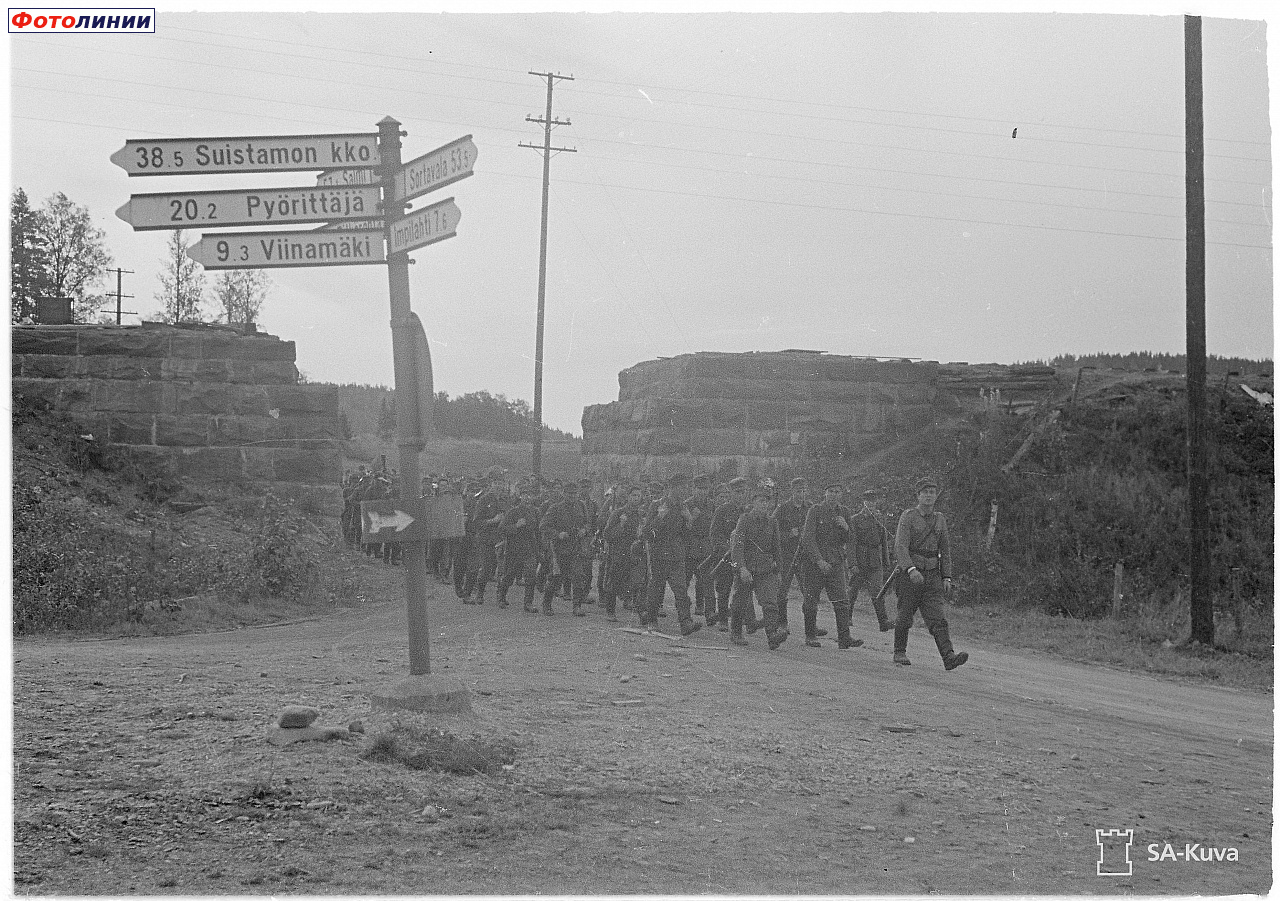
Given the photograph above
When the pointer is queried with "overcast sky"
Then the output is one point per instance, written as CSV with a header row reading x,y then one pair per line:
x,y
848,182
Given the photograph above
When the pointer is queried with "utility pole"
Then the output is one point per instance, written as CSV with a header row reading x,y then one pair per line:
x,y
1197,425
546,149
119,280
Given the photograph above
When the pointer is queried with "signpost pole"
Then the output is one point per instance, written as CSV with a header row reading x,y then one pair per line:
x,y
409,439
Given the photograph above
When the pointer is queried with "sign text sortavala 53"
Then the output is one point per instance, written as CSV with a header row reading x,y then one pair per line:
x,y
100,20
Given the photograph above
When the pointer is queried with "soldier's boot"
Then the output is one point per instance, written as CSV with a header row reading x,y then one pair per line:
x,y
480,592
688,626
843,615
749,617
900,634
546,601
528,603
775,631
881,615
811,628
782,611
722,614
942,637
735,625
502,597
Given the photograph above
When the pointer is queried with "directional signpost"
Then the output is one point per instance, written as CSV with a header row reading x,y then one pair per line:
x,y
271,250
387,521
272,206
426,226
442,166
271,153
360,195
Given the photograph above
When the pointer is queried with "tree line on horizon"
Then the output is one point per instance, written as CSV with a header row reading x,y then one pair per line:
x,y
1139,360
370,410
55,251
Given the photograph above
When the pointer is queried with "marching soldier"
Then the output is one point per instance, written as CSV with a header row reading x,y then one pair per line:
x,y
790,517
698,550
588,555
486,519
756,552
922,550
619,536
824,537
465,566
666,531
722,577
564,527
520,530
870,558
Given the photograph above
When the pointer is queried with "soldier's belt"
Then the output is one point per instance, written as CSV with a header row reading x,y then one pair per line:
x,y
924,562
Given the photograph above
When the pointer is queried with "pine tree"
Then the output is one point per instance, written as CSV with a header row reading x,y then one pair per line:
x,y
27,257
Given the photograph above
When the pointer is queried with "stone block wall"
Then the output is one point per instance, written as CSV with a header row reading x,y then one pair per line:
x,y
779,413
207,402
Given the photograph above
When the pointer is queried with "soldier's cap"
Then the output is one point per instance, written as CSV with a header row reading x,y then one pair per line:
x,y
677,480
873,492
799,482
761,492
834,485
634,488
701,481
926,482
736,483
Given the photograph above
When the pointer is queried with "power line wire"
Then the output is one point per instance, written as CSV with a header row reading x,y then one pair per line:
x,y
792,101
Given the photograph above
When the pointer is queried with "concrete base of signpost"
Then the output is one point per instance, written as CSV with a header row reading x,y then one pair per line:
x,y
425,694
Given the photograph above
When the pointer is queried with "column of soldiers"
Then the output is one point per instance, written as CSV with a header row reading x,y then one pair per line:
x,y
734,547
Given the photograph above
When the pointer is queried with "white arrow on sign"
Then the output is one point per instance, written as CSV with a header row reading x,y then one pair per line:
x,y
440,167
271,206
363,225
262,153
399,521
427,226
268,250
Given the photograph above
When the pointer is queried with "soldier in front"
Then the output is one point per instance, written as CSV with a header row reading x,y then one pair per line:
x,y
923,552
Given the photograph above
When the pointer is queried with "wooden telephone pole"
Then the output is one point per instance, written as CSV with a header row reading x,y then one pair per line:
x,y
546,149
1197,425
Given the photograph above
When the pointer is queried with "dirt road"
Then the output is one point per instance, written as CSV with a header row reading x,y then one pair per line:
x,y
141,766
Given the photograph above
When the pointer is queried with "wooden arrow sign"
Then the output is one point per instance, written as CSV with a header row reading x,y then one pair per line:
x,y
426,226
278,249
388,520
270,206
